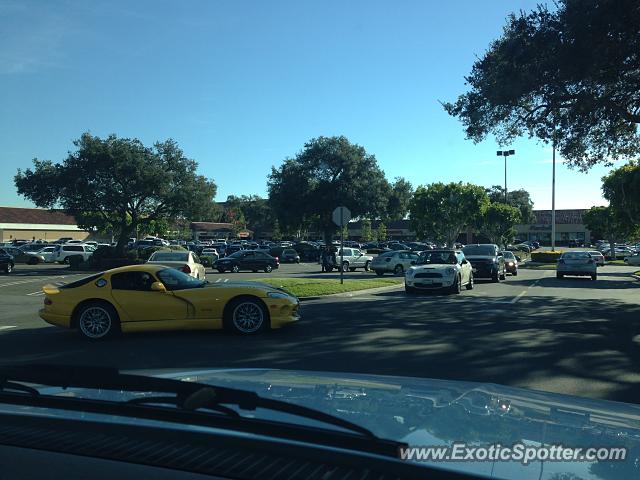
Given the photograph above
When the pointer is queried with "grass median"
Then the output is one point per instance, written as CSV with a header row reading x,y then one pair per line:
x,y
313,287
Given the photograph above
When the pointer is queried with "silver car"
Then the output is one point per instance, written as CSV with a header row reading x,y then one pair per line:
x,y
577,263
396,262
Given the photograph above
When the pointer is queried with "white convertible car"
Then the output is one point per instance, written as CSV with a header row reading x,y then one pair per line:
x,y
439,269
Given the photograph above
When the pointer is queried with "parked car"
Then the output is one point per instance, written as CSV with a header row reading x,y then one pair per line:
x,y
24,257
598,257
353,258
576,263
632,259
63,252
186,262
394,261
289,255
486,261
247,260
510,262
6,261
309,252
233,248
47,253
439,269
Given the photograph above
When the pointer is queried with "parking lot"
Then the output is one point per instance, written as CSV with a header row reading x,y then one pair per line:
x,y
571,336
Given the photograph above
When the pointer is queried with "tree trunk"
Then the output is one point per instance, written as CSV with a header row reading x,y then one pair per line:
x,y
328,236
123,239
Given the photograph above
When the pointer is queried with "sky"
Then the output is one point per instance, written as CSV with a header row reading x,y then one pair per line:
x,y
242,85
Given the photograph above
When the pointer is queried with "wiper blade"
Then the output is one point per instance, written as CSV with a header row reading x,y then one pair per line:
x,y
190,398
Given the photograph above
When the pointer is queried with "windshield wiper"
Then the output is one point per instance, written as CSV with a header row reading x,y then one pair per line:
x,y
192,402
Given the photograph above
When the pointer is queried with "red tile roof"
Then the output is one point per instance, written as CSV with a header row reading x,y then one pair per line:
x,y
35,216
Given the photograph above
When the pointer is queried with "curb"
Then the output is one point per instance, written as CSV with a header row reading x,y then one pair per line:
x,y
354,293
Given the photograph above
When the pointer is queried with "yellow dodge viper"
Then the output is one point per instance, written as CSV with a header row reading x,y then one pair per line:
x,y
154,297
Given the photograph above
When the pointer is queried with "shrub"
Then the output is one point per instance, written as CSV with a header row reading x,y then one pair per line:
x,y
207,261
546,257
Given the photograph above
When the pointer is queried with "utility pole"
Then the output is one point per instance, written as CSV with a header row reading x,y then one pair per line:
x,y
505,154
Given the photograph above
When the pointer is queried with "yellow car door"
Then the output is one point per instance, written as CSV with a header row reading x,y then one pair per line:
x,y
132,292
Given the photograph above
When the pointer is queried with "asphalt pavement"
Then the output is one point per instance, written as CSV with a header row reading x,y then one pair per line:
x,y
571,336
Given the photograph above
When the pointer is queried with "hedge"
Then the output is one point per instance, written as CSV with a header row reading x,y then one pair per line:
x,y
546,257
208,261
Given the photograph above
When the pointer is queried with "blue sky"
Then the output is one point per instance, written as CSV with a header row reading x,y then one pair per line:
x,y
241,85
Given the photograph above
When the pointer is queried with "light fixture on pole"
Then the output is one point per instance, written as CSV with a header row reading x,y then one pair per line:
x,y
505,154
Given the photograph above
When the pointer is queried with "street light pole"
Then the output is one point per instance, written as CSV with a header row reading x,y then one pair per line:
x,y
553,196
505,154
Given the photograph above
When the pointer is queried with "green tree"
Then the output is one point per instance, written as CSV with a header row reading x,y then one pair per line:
x,y
622,188
498,221
399,197
381,232
366,235
441,211
521,199
119,184
256,211
328,172
606,222
572,72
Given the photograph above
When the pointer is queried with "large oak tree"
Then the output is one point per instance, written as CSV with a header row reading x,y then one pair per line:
x,y
119,184
328,172
572,73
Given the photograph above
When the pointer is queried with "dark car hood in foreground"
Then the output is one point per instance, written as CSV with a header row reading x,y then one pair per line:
x,y
426,412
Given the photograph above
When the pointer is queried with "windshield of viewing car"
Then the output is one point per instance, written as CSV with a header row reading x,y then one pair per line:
x,y
437,257
481,250
169,257
176,280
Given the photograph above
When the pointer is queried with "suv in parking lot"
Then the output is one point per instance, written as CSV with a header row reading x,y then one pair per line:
x,y
63,252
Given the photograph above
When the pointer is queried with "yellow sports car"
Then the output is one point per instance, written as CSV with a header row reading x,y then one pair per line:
x,y
154,297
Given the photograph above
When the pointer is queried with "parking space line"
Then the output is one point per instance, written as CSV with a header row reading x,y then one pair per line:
x,y
39,292
7,327
23,282
516,298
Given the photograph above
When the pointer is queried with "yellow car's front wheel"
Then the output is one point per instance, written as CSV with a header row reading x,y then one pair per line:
x,y
246,316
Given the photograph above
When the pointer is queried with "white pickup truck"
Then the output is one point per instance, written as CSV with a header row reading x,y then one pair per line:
x,y
354,258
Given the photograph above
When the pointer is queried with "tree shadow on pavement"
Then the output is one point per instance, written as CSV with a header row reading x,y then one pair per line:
x,y
586,347
579,282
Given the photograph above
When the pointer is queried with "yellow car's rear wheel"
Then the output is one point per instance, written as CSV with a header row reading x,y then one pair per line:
x,y
246,316
97,320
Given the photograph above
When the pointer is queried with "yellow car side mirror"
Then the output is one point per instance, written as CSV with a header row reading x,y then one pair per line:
x,y
158,287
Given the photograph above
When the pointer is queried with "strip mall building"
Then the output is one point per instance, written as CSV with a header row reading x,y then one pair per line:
x,y
37,224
